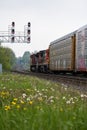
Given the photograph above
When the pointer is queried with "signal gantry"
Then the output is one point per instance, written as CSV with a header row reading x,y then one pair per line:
x,y
12,36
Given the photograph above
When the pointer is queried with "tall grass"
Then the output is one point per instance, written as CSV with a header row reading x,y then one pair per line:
x,y
29,103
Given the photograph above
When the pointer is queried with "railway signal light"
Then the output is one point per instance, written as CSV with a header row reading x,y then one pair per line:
x,y
28,39
29,24
13,24
13,32
28,32
12,39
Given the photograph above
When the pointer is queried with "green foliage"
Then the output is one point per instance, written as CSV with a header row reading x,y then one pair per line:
x,y
26,57
29,103
7,58
23,62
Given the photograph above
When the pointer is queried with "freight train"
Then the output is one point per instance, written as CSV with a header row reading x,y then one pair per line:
x,y
66,54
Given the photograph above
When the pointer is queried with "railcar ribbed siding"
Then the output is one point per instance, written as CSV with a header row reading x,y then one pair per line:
x,y
62,55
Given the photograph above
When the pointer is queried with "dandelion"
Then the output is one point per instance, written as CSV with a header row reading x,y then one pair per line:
x,y
73,102
52,89
64,98
67,102
28,89
18,106
22,102
82,95
71,99
40,98
3,93
51,101
15,99
7,107
13,103
30,102
24,95
51,97
43,90
28,99
40,94
65,89
24,108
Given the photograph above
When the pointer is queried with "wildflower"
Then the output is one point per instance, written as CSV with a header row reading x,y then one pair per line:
x,y
52,89
24,108
76,99
51,101
40,94
18,106
3,93
7,107
22,102
64,98
43,90
82,95
28,99
13,103
65,88
51,97
67,102
73,102
24,95
15,99
40,99
28,89
71,99
38,107
30,102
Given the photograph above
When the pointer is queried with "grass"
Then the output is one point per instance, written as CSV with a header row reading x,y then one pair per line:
x,y
29,103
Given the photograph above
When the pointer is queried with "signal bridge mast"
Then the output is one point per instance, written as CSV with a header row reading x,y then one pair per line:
x,y
12,36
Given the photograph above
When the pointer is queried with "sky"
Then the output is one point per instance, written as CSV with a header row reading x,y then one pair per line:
x,y
50,20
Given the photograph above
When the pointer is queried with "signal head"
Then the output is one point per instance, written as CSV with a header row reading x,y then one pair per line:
x,y
13,24
29,24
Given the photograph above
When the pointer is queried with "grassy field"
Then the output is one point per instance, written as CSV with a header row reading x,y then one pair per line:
x,y
29,103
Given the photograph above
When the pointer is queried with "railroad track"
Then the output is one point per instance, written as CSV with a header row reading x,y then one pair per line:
x,y
76,82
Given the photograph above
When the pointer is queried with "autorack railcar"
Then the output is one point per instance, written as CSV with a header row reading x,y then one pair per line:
x,y
62,54
66,54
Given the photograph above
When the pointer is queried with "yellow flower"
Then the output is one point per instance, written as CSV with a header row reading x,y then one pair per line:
x,y
7,107
22,102
30,102
15,99
25,108
2,93
13,103
18,106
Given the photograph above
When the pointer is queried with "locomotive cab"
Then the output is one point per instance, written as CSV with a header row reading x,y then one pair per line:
x,y
40,61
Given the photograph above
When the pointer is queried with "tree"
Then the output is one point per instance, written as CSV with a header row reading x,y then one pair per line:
x,y
7,58
26,57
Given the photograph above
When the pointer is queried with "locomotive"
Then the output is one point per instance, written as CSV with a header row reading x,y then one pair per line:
x,y
66,54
